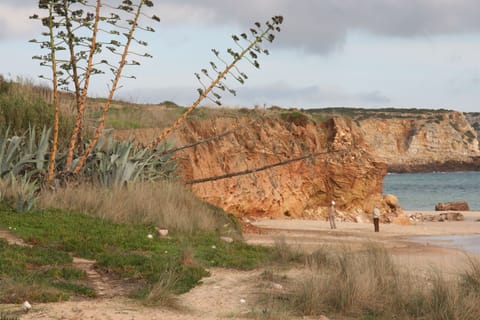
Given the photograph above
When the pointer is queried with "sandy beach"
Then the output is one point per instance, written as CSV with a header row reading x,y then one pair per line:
x,y
232,293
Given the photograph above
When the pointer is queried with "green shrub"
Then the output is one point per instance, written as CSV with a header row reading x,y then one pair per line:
x,y
295,117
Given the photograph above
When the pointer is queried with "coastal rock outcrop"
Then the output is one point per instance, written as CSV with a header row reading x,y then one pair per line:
x,y
450,206
283,181
442,141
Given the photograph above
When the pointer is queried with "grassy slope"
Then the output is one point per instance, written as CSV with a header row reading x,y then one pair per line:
x,y
122,250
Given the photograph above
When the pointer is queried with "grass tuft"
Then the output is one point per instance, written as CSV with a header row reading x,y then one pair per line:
x,y
167,205
367,284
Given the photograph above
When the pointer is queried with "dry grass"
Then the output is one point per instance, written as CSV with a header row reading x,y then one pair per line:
x,y
164,204
368,285
162,293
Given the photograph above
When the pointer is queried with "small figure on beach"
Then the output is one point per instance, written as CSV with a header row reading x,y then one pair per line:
x,y
331,216
376,218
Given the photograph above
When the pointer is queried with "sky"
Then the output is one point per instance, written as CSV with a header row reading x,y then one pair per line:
x,y
342,53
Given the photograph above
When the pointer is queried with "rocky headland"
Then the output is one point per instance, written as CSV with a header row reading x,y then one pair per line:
x,y
428,143
293,164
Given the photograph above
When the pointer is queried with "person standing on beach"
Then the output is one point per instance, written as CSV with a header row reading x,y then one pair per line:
x,y
376,218
331,216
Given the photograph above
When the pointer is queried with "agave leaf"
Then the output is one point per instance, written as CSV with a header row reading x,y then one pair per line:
x,y
30,141
3,146
42,149
11,153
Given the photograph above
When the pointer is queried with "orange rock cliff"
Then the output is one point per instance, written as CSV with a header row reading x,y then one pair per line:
x,y
351,156
343,168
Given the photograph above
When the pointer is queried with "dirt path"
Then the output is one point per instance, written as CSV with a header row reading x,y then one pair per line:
x,y
226,294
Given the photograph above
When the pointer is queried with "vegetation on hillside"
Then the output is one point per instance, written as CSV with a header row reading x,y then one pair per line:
x,y
55,153
133,253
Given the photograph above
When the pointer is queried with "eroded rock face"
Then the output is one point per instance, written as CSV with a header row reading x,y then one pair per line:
x,y
448,206
443,142
343,168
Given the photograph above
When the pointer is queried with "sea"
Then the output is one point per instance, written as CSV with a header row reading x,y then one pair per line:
x,y
421,191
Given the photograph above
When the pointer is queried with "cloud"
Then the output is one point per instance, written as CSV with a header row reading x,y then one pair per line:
x,y
278,93
316,26
14,18
320,26
283,94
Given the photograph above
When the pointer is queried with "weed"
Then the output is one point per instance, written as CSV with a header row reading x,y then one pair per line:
x,y
470,279
283,253
6,317
162,292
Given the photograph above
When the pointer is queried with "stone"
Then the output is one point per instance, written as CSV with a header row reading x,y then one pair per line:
x,y
277,286
226,239
391,200
454,216
26,306
162,232
452,206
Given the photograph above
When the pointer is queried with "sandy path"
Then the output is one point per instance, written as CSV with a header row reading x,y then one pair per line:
x,y
225,294
231,294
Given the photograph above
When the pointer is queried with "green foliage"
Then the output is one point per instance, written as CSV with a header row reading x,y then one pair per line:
x,y
125,251
68,40
296,117
115,163
18,193
169,104
23,154
22,163
250,48
21,107
38,274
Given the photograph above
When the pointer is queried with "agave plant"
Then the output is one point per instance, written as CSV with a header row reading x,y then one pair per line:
x,y
115,163
23,154
20,193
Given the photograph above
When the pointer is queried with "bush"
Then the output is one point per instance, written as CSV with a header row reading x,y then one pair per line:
x,y
296,117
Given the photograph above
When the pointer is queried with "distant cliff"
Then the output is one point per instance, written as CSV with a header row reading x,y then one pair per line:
x,y
431,142
350,150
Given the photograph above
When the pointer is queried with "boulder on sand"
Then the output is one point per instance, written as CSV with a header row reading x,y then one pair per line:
x,y
391,200
452,206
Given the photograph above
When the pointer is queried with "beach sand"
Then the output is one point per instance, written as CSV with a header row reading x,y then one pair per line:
x,y
231,293
399,239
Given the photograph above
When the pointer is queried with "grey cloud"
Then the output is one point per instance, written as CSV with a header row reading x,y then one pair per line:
x,y
309,96
320,26
278,93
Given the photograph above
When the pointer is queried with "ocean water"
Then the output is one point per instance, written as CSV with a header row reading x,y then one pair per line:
x,y
421,191
468,243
